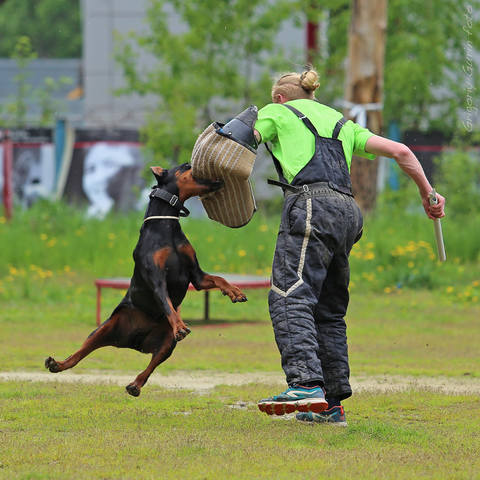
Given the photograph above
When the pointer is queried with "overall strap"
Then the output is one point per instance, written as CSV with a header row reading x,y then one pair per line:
x,y
311,127
303,118
338,127
277,165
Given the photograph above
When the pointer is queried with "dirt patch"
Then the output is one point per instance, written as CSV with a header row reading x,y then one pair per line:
x,y
204,381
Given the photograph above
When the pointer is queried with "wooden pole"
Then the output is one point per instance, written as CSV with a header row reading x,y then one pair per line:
x,y
364,85
7,174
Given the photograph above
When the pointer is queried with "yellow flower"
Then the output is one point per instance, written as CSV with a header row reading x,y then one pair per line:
x,y
52,242
263,228
380,268
387,290
369,256
112,236
3,219
43,236
242,253
476,283
410,264
449,289
261,248
67,269
12,270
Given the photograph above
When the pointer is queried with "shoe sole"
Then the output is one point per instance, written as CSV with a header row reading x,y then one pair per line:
x,y
282,408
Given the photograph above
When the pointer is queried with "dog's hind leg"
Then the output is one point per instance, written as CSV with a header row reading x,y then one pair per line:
x,y
101,337
158,356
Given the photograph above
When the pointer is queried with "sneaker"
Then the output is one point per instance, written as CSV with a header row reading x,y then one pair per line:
x,y
302,399
334,415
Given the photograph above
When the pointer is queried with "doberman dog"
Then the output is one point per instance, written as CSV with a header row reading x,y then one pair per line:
x,y
147,319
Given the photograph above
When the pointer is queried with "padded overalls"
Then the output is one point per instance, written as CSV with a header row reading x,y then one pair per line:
x,y
310,274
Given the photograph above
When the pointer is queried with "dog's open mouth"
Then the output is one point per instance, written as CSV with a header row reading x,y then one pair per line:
x,y
213,185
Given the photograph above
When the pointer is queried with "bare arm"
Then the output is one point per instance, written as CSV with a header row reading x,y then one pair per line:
x,y
409,163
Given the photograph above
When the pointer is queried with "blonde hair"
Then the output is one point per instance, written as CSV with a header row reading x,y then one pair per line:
x,y
296,85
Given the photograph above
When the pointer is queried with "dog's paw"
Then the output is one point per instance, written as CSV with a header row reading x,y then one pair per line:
x,y
133,390
237,296
182,333
52,365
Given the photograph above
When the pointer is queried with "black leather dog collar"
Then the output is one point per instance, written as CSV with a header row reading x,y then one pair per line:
x,y
171,199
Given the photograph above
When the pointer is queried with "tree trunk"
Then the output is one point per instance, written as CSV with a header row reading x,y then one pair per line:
x,y
364,85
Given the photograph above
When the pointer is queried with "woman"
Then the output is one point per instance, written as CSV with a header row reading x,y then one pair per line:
x,y
312,147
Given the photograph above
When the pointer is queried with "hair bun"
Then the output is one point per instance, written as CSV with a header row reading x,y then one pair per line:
x,y
309,80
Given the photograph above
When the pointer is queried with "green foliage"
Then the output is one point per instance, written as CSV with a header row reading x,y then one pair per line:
x,y
14,112
53,26
459,176
23,55
430,72
205,69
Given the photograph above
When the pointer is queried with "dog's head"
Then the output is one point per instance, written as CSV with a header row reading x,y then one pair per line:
x,y
181,180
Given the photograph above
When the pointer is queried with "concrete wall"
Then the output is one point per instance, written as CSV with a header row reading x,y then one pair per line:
x,y
101,18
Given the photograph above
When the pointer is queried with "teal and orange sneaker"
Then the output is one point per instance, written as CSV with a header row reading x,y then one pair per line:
x,y
334,415
299,398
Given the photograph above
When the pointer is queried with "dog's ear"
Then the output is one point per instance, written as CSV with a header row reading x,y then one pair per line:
x,y
160,173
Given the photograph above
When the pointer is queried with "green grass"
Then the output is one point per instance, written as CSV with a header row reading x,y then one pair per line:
x,y
77,431
412,333
397,251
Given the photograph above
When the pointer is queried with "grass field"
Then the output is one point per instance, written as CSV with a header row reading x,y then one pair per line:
x,y
82,432
58,431
409,316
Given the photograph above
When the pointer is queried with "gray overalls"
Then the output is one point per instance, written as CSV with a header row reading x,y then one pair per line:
x,y
310,274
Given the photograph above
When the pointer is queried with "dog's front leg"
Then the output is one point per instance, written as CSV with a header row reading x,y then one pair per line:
x,y
214,281
204,281
180,330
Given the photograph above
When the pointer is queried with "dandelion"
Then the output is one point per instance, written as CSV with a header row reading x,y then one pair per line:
x,y
43,236
52,242
475,283
410,264
369,256
242,253
67,269
380,268
387,290
13,271
449,289
3,220
263,228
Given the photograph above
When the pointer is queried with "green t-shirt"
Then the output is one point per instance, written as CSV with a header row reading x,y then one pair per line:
x,y
294,145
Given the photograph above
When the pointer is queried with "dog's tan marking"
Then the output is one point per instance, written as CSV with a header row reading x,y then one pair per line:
x,y
160,257
157,170
187,250
187,186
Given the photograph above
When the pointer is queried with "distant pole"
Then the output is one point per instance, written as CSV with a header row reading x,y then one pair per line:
x,y
7,174
312,33
364,85
312,43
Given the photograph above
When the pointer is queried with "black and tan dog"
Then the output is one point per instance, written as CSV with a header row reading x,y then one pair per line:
x,y
147,319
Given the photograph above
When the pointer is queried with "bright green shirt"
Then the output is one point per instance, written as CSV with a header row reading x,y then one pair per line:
x,y
294,145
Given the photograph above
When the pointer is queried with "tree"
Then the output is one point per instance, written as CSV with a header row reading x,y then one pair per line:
x,y
53,26
366,52
220,58
430,77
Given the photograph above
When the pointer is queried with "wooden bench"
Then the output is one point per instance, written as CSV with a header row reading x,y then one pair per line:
x,y
242,281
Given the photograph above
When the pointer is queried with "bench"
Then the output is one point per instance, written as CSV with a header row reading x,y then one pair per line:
x,y
241,281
